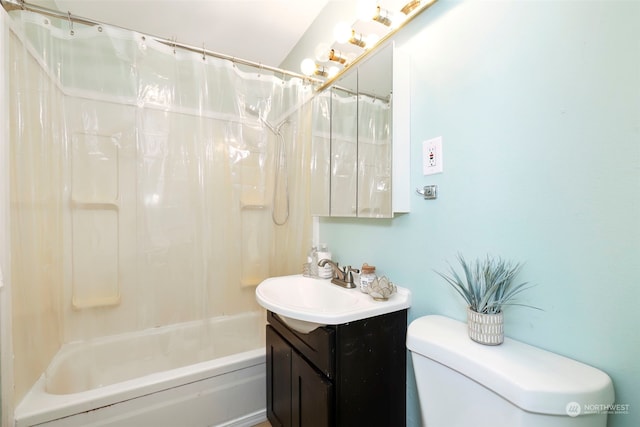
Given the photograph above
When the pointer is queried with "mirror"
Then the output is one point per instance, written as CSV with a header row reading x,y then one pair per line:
x,y
354,141
374,134
320,181
344,146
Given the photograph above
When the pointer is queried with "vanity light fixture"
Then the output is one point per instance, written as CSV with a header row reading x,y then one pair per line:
x,y
309,68
337,56
383,16
367,12
321,71
357,39
410,7
344,33
325,53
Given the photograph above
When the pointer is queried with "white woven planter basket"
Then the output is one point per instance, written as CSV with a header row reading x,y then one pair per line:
x,y
485,328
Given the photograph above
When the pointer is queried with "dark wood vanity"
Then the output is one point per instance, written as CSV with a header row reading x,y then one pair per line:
x,y
347,375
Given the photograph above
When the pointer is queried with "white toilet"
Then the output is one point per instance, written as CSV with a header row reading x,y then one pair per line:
x,y
462,383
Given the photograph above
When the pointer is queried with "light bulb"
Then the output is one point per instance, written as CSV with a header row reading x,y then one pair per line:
x,y
350,58
342,32
322,52
308,67
398,20
332,71
366,10
371,40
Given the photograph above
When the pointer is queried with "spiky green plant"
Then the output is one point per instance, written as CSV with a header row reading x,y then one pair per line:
x,y
487,285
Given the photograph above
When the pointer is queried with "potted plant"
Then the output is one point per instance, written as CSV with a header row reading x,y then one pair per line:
x,y
487,286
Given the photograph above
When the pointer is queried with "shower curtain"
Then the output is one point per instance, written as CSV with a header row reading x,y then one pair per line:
x,y
146,184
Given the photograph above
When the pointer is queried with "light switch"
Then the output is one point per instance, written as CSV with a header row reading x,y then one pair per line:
x,y
432,156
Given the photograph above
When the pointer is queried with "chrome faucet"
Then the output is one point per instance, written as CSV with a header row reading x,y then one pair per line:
x,y
341,276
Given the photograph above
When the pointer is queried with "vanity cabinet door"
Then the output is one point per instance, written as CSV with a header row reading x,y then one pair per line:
x,y
298,395
279,363
312,395
318,347
347,375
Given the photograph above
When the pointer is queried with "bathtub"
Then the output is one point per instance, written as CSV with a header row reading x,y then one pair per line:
x,y
158,377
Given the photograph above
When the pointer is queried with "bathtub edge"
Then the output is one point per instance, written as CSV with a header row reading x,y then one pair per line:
x,y
38,406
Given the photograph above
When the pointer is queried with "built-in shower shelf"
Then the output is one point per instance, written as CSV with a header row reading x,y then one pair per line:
x,y
80,303
95,247
255,238
95,220
254,207
94,204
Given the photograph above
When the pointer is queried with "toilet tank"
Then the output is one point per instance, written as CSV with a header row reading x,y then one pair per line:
x,y
463,383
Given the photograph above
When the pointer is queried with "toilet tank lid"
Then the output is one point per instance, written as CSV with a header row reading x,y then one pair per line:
x,y
535,380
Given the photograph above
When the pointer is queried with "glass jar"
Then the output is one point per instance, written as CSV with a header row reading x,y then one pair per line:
x,y
312,262
367,275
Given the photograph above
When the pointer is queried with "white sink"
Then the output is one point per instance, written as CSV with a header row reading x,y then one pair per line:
x,y
305,303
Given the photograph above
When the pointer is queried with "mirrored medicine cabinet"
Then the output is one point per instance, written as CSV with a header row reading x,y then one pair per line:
x,y
360,140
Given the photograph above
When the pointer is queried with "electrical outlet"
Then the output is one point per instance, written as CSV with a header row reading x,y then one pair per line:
x,y
432,156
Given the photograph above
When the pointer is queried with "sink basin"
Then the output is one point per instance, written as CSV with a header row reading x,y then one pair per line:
x,y
306,303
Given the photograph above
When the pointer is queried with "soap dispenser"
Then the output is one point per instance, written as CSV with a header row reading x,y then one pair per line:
x,y
324,272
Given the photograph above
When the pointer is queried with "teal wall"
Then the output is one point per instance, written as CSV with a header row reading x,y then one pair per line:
x,y
538,104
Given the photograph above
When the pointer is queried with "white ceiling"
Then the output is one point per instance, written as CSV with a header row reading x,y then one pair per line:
x,y
262,31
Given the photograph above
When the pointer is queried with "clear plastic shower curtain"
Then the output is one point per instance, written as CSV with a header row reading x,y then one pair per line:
x,y
147,184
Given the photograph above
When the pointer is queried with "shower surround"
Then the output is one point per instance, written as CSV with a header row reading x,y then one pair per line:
x,y
141,187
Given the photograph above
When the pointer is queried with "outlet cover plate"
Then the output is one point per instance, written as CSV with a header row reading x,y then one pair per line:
x,y
432,156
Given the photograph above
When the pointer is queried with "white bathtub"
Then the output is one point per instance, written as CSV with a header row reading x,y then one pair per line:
x,y
158,377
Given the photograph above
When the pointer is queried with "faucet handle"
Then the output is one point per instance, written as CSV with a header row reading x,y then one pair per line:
x,y
348,273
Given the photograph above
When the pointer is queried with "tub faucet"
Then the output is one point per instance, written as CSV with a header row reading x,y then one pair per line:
x,y
341,276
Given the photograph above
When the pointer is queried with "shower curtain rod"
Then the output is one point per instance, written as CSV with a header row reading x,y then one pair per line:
x,y
10,5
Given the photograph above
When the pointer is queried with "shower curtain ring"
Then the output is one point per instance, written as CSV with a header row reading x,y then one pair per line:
x,y
204,58
175,41
70,23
